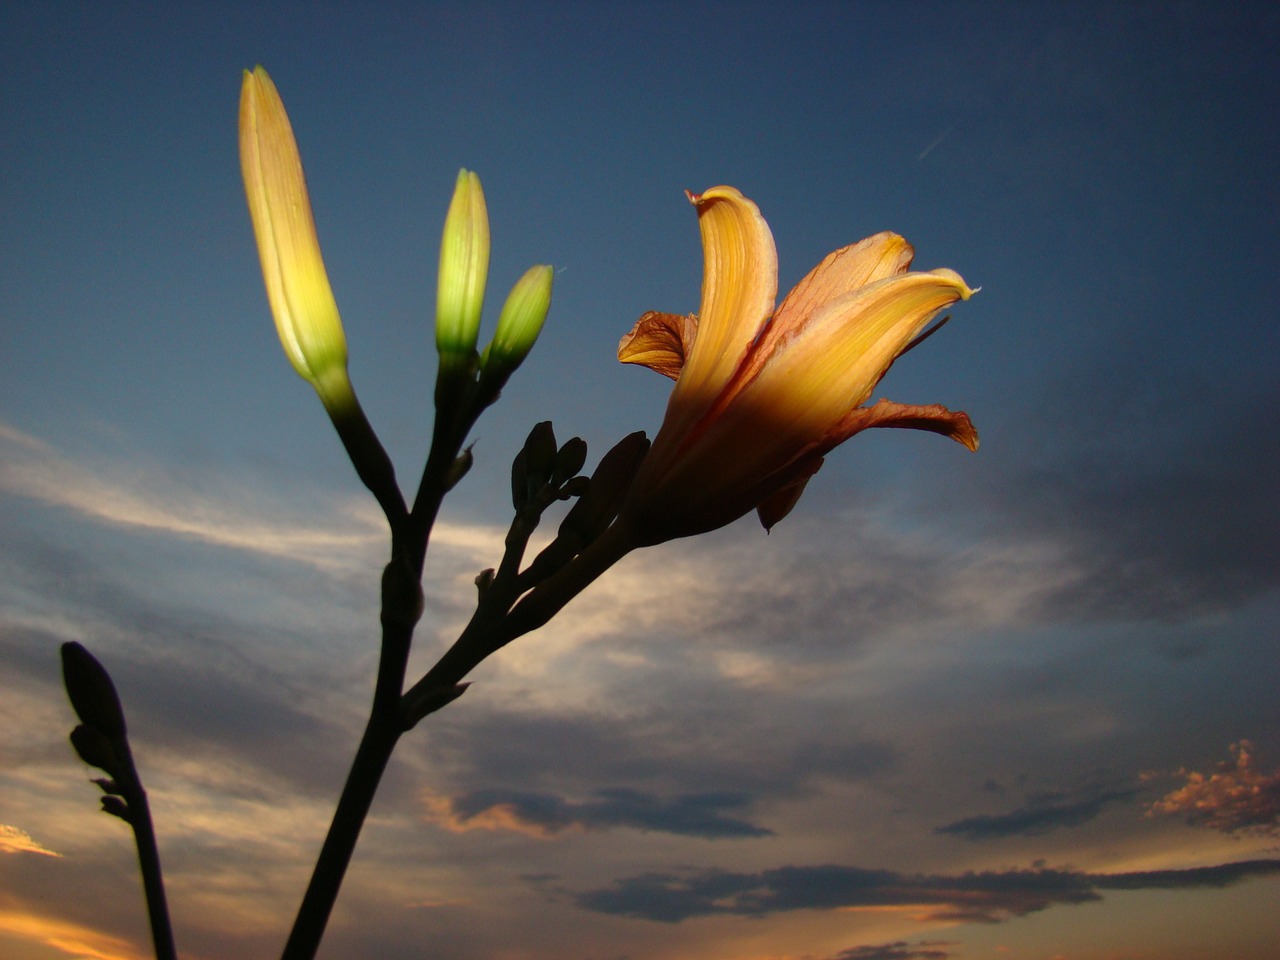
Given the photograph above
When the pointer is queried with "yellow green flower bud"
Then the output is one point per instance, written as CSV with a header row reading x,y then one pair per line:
x,y
520,323
464,269
298,291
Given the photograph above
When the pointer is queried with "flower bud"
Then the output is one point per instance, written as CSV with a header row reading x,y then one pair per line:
x,y
519,324
91,692
569,460
532,466
298,291
464,269
610,481
95,749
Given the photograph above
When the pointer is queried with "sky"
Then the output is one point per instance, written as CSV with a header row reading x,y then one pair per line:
x,y
1016,704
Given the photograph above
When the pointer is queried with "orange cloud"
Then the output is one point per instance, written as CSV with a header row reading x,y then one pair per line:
x,y
503,816
76,941
1235,797
17,840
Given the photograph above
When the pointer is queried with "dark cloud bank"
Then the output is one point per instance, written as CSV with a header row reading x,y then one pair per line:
x,y
1040,816
898,950
988,897
694,814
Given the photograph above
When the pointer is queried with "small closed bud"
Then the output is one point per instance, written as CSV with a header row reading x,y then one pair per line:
x,y
519,324
575,487
569,460
460,467
531,468
116,807
92,694
302,303
93,747
464,270
603,498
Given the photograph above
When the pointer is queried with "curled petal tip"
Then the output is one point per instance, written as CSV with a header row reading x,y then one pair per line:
x,y
957,281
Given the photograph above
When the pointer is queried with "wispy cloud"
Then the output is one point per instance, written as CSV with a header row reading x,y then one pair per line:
x,y
1040,816
987,897
148,499
339,535
544,814
17,840
66,938
1235,797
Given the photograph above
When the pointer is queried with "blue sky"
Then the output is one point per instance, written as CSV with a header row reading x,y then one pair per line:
x,y
943,712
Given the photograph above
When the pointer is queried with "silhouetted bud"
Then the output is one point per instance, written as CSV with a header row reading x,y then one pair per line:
x,y
116,807
569,460
610,482
532,466
95,749
460,467
92,694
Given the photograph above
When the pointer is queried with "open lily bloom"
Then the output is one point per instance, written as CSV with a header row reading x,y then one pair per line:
x,y
761,396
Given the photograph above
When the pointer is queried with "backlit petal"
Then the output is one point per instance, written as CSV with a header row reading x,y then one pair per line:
x,y
739,286
659,341
843,271
835,357
779,503
933,417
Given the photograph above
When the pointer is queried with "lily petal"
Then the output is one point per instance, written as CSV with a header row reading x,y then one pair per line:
x,y
835,356
843,271
933,417
660,341
739,287
825,369
778,504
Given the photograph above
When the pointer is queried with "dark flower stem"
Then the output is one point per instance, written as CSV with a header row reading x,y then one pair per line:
x,y
144,836
410,533
380,737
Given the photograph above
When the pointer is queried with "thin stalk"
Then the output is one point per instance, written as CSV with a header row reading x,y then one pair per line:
x,y
381,734
370,762
410,532
144,837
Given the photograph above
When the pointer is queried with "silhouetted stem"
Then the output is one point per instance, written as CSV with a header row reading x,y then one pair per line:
x,y
496,622
371,758
410,534
144,836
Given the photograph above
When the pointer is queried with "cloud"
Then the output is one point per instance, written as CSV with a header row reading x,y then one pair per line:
x,y
1034,819
64,937
1234,798
156,499
987,897
545,814
899,950
718,745
1166,514
145,499
17,840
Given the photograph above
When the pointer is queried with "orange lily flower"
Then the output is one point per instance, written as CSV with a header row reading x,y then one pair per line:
x,y
761,396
